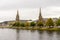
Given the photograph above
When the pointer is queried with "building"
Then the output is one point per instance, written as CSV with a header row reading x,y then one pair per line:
x,y
17,16
8,23
40,18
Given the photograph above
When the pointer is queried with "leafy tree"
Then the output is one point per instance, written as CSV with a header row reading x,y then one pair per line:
x,y
22,24
27,24
40,23
58,22
32,24
16,24
49,22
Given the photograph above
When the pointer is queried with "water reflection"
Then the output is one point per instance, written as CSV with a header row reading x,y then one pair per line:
x,y
15,34
50,35
58,35
7,34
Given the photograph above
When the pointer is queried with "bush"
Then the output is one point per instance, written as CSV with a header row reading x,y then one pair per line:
x,y
27,24
22,24
58,22
16,24
32,24
50,22
40,23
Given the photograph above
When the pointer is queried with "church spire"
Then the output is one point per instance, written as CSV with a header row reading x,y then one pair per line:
x,y
17,16
40,16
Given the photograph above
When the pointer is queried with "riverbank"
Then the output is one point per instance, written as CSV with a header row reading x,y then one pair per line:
x,y
34,28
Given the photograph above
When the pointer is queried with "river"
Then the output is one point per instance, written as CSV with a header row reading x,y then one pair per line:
x,y
13,34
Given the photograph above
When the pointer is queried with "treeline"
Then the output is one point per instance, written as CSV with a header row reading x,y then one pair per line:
x,y
49,23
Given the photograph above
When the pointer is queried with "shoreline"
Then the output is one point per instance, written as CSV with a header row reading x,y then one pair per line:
x,y
34,28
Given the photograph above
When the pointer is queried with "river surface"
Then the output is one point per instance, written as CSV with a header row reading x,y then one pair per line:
x,y
13,34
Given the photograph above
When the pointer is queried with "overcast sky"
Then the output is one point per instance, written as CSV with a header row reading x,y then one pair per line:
x,y
29,9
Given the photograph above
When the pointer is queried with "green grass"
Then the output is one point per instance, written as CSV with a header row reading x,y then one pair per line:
x,y
34,28
50,29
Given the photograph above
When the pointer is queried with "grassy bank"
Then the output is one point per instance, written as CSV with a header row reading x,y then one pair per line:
x,y
34,28
50,29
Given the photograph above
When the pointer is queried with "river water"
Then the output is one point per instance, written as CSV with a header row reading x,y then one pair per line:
x,y
13,34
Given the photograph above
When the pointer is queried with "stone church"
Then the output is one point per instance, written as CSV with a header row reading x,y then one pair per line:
x,y
7,23
40,18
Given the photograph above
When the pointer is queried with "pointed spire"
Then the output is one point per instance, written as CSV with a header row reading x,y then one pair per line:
x,y
17,16
40,16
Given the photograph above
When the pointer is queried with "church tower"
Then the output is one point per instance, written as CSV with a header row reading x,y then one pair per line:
x,y
40,16
17,16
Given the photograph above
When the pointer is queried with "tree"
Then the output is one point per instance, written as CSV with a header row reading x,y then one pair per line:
x,y
40,23
16,24
27,24
50,22
22,24
32,24
58,22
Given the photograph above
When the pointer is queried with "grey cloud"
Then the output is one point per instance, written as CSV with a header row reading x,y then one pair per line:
x,y
15,4
29,14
